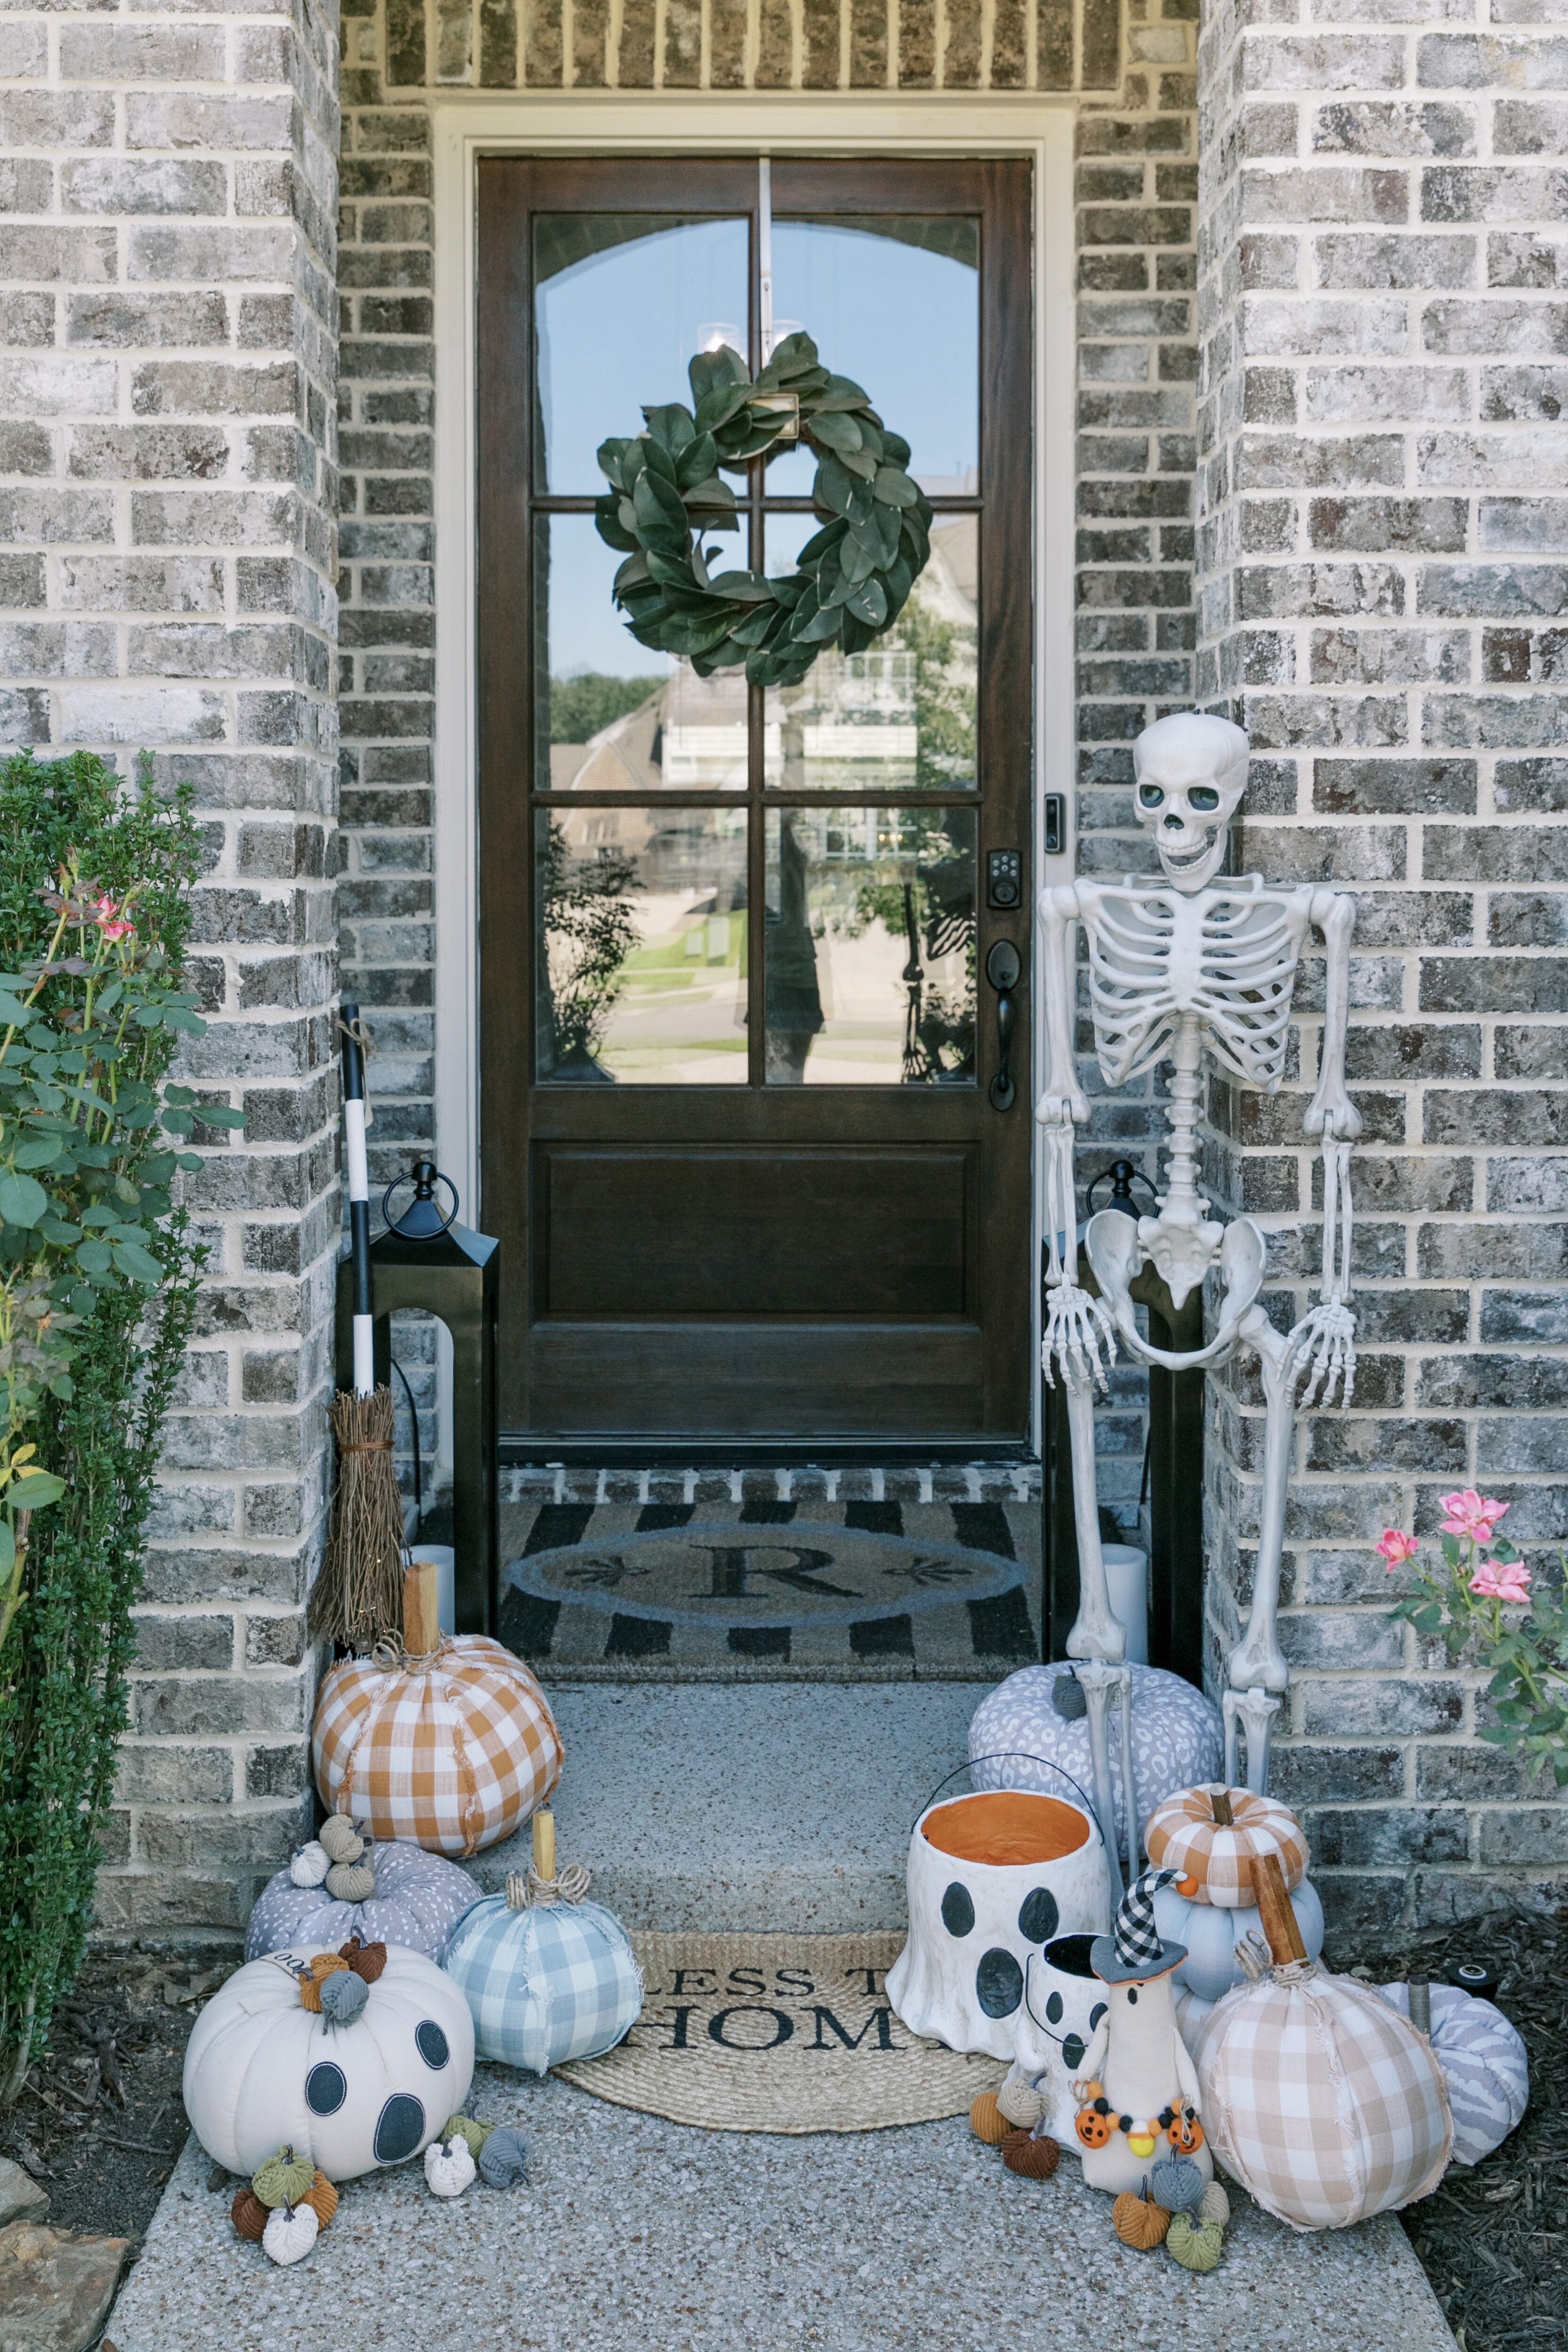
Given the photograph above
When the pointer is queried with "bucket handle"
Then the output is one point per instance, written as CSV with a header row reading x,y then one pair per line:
x,y
999,1756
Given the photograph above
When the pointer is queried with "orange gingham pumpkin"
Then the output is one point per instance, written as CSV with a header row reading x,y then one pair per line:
x,y
1182,1834
451,1756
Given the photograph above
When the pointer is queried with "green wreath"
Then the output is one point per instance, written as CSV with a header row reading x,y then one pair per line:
x,y
853,575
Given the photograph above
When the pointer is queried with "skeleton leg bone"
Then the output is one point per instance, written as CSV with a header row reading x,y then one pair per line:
x,y
1255,1709
1258,1663
1098,1680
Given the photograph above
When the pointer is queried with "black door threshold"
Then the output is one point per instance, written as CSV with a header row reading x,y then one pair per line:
x,y
519,1452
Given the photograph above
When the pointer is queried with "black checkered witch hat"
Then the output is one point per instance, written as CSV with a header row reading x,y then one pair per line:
x,y
1135,1950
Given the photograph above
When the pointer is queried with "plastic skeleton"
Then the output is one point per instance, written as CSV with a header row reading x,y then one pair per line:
x,y
1173,965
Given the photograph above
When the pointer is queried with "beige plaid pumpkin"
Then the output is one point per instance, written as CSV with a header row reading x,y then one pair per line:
x,y
1182,1834
451,1756
1323,2102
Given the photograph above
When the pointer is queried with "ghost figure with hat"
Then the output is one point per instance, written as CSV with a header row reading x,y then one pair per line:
x,y
1138,2096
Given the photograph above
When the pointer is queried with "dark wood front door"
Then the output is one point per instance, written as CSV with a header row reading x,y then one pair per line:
x,y
738,1033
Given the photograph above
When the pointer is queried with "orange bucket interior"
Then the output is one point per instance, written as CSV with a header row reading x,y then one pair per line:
x,y
1007,1826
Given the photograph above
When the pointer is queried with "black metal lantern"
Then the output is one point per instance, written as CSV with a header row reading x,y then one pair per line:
x,y
425,1259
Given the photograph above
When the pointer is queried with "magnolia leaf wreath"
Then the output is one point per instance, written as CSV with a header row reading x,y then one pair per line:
x,y
853,575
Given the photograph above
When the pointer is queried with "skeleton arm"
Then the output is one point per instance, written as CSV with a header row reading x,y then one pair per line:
x,y
1077,1325
1323,1342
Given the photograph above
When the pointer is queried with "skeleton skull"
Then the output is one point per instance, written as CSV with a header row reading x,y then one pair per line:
x,y
1190,772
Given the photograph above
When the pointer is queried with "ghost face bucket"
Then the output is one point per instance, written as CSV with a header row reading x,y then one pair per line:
x,y
992,1879
1064,2000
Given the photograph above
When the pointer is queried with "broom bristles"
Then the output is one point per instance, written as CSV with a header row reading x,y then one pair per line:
x,y
359,1593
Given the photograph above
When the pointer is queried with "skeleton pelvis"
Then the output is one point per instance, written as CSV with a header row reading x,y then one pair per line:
x,y
1181,1251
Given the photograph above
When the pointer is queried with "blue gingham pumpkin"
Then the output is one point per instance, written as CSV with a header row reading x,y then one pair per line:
x,y
554,1981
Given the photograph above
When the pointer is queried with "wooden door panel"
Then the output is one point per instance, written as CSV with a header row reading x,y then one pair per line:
x,y
760,1259
831,1234
625,1380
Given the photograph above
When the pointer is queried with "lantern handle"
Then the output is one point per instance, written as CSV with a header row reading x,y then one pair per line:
x,y
424,1177
996,1756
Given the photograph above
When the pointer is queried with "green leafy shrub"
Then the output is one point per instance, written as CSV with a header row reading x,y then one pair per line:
x,y
97,1278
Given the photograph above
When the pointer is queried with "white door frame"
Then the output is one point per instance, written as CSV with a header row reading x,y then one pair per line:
x,y
466,126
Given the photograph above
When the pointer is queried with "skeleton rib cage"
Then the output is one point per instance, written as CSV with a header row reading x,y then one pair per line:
x,y
1229,957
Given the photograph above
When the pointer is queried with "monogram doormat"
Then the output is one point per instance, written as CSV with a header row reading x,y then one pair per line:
x,y
837,1591
779,2033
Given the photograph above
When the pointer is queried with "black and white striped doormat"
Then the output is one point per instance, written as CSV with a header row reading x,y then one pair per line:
x,y
763,1585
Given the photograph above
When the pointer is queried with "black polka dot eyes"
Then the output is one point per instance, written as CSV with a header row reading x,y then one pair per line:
x,y
1038,1916
998,1982
958,1909
431,2043
1072,2050
1053,2008
1095,2014
326,2088
1132,1996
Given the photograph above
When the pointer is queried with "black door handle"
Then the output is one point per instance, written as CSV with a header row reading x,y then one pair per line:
x,y
1002,967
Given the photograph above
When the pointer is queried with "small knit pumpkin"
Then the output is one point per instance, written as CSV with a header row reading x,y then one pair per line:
x,y
503,2159
1194,2244
986,2120
248,2215
1215,2205
471,2133
340,1840
351,1882
1021,2104
291,2231
1138,2222
448,2166
1177,2183
367,1961
342,1997
284,2179
321,2198
309,1865
324,1965
1036,2159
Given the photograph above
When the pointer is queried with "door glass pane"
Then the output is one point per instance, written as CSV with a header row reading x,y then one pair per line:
x,y
868,947
641,977
893,302
622,300
900,717
611,715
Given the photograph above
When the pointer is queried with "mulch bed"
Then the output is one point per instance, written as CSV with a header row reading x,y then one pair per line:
x,y
1494,2239
100,2121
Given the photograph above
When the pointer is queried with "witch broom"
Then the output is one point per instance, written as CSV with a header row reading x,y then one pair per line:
x,y
359,1593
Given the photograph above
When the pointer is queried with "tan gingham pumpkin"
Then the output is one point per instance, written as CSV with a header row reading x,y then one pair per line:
x,y
452,1754
1182,1834
1325,2104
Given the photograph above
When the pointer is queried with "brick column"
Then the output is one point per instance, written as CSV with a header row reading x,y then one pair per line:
x,y
167,562
1379,547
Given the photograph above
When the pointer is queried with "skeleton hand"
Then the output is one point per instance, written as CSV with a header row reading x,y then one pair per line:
x,y
1322,1346
1076,1323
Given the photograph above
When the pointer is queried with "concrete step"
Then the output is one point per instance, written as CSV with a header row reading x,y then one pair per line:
x,y
769,1806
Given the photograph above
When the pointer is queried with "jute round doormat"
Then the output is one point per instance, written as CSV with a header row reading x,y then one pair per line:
x,y
779,2033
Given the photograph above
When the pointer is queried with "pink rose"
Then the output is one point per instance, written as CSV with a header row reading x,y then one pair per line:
x,y
1498,1581
110,921
1472,1515
1397,1548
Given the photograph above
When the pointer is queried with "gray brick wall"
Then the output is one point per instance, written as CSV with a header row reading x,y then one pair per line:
x,y
168,502
1381,573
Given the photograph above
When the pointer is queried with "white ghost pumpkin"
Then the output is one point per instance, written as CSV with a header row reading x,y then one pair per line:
x,y
992,1879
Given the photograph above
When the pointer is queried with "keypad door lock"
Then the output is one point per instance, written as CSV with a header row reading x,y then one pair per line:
x,y
1004,879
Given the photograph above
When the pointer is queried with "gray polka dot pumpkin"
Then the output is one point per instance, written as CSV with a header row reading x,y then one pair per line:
x,y
263,2070
412,1899
1026,1725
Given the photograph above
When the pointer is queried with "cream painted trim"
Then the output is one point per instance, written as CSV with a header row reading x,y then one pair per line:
x,y
468,124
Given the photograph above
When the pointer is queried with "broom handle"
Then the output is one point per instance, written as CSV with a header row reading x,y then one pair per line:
x,y
359,1202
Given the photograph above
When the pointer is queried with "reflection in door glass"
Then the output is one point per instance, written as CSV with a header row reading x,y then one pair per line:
x,y
868,947
641,976
622,302
893,302
900,717
610,715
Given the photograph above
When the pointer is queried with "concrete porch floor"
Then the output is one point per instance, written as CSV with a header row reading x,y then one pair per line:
x,y
786,1807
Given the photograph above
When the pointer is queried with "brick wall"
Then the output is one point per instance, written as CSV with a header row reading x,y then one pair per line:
x,y
167,181
1381,565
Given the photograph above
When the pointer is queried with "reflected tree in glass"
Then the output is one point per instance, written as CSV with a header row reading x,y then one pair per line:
x,y
586,932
